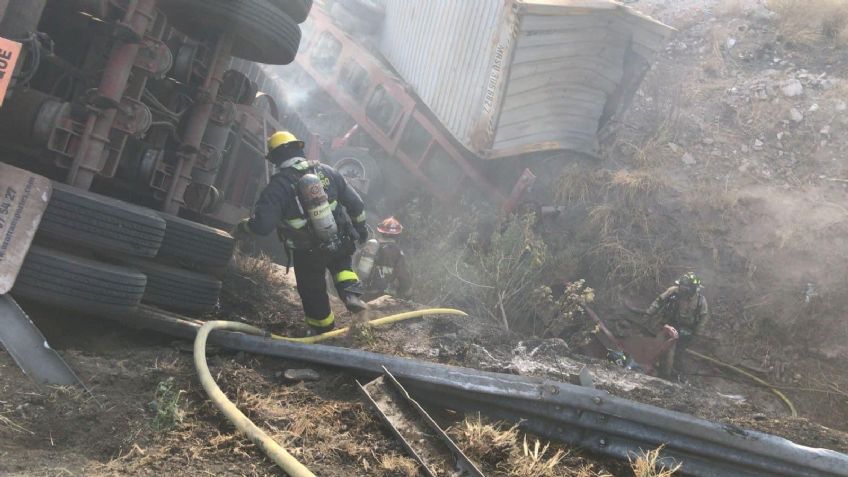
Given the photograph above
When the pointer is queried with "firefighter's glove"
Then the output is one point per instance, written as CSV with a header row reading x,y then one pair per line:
x,y
361,232
242,229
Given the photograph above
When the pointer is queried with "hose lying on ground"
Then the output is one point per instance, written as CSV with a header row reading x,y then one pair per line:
x,y
763,382
378,322
273,450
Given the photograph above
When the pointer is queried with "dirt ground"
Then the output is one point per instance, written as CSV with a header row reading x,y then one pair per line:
x,y
146,413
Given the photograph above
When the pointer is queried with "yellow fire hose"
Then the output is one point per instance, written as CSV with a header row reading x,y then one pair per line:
x,y
748,375
273,450
378,322
256,435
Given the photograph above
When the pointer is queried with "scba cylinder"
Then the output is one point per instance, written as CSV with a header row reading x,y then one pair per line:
x,y
316,206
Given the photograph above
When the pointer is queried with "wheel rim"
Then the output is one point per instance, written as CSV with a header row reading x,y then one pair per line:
x,y
355,173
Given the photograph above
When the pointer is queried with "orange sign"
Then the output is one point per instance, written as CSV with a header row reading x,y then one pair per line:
x,y
10,52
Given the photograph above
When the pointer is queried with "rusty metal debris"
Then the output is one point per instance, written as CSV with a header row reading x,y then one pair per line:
x,y
418,432
587,418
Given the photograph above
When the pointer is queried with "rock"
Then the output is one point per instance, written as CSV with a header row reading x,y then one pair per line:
x,y
708,141
814,108
780,135
730,42
715,153
792,88
758,145
745,149
825,131
305,374
830,83
688,159
674,148
796,115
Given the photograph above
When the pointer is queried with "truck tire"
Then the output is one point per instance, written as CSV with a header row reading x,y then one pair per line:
x,y
359,168
175,288
57,278
298,10
101,223
261,31
196,245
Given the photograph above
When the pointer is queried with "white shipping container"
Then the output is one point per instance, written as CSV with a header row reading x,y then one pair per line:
x,y
508,77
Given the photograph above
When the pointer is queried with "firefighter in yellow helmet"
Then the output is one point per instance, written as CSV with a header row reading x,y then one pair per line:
x,y
319,217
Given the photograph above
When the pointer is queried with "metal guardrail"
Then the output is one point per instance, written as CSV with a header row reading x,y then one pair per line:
x,y
584,417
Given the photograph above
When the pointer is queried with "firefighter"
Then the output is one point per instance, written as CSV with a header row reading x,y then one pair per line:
x,y
382,263
318,217
684,308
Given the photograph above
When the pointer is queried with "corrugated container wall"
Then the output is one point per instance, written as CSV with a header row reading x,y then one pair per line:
x,y
508,77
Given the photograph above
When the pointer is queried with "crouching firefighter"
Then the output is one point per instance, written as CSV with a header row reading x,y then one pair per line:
x,y
318,217
381,263
684,308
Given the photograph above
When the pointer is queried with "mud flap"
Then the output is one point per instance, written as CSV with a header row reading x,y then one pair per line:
x,y
23,200
417,431
30,350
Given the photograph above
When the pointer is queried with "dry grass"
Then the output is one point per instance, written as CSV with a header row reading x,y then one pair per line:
x,y
633,265
812,22
633,188
534,461
579,184
501,450
6,423
649,465
484,442
394,464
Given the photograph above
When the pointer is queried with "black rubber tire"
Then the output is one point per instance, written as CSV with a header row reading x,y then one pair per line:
x,y
57,278
298,10
101,223
261,31
175,288
372,170
196,245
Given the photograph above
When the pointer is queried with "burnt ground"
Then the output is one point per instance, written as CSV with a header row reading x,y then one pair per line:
x,y
126,426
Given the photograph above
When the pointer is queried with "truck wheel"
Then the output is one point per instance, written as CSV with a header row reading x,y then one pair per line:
x,y
298,10
177,289
57,278
359,169
261,31
196,245
101,223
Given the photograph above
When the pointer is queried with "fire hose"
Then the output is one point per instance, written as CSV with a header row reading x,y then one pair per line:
x,y
378,322
584,417
256,435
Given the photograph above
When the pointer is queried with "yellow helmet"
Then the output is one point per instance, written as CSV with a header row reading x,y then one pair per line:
x,y
283,138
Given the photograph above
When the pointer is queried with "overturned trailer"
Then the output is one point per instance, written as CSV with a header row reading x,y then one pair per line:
x,y
512,77
433,92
